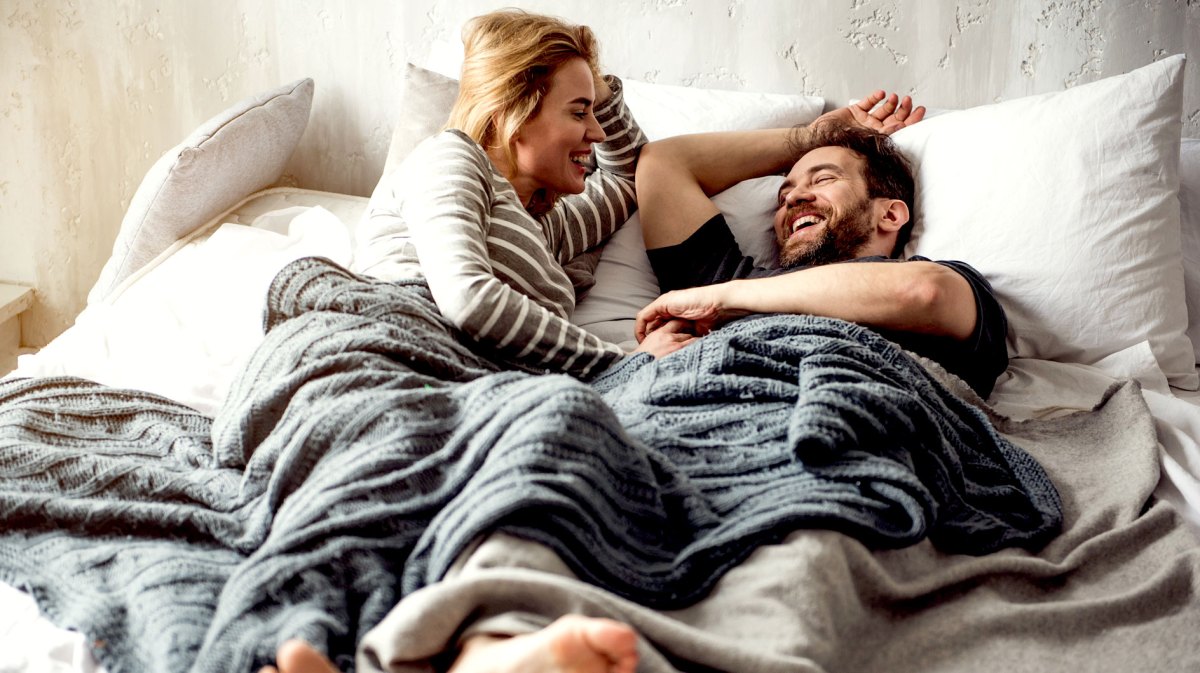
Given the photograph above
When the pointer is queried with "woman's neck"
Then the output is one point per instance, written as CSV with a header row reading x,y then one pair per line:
x,y
521,185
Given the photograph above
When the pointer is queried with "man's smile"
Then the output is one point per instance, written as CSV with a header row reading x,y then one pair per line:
x,y
806,220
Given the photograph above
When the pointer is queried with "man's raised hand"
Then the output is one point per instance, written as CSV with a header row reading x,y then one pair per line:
x,y
879,111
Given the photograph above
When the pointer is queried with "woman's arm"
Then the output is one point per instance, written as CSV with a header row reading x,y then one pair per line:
x,y
449,204
580,221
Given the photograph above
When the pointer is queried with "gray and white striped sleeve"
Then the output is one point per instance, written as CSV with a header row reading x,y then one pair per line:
x,y
581,221
450,215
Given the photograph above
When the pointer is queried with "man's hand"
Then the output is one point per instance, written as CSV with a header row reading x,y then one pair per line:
x,y
672,336
703,309
894,114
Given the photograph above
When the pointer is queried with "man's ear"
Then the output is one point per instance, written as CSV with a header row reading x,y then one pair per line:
x,y
892,215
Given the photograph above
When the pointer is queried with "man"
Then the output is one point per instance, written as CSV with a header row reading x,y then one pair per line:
x,y
847,197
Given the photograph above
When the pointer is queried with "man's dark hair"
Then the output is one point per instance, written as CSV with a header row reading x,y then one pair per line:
x,y
888,173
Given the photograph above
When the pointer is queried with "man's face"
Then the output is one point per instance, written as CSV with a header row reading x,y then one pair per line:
x,y
824,212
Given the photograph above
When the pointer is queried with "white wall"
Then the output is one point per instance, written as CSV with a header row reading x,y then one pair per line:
x,y
91,93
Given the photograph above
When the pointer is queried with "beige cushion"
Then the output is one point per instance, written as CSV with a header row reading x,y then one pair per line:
x,y
234,154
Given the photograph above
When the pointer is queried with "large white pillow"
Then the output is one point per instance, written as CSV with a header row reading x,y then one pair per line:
x,y
624,280
1189,206
236,153
1067,202
184,324
661,110
664,110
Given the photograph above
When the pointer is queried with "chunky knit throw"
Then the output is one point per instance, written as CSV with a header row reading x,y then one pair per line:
x,y
367,444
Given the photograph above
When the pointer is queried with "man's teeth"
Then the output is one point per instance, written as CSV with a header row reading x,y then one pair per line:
x,y
805,221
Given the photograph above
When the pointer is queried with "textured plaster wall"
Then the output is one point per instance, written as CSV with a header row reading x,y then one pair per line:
x,y
91,93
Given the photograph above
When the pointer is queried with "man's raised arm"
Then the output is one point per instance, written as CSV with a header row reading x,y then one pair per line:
x,y
677,176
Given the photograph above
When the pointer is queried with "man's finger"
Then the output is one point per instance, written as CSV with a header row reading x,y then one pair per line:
x,y
887,108
871,100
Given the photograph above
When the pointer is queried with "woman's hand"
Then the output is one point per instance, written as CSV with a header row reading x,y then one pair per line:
x,y
667,339
894,114
603,92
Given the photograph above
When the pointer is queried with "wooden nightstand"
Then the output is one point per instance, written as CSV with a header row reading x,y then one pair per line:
x,y
14,299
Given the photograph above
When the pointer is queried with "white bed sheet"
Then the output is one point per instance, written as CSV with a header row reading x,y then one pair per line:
x,y
183,325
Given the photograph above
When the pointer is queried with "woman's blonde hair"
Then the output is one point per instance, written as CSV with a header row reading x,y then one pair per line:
x,y
509,57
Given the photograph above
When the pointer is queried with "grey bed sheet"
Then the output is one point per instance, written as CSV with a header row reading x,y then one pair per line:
x,y
1116,591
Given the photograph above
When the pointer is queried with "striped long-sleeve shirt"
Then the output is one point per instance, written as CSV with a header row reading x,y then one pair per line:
x,y
495,271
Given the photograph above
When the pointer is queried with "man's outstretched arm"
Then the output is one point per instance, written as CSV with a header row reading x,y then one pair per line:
x,y
919,297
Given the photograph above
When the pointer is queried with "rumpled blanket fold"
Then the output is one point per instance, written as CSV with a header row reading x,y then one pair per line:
x,y
368,444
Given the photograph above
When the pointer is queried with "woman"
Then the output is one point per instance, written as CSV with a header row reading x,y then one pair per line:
x,y
491,211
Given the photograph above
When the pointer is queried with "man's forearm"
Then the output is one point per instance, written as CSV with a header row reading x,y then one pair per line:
x,y
717,161
920,297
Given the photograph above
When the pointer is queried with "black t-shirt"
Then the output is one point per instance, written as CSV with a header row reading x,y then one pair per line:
x,y
711,255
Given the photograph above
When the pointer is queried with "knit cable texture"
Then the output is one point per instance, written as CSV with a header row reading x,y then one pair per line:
x,y
368,443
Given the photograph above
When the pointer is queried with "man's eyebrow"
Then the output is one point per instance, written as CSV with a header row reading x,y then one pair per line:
x,y
826,167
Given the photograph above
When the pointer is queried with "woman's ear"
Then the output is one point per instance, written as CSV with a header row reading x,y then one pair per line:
x,y
893,214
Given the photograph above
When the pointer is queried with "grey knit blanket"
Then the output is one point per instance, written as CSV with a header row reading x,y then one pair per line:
x,y
367,444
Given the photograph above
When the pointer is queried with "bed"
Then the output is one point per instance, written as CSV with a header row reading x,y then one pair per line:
x,y
1070,204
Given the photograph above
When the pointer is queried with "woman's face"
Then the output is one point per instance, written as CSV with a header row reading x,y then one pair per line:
x,y
552,147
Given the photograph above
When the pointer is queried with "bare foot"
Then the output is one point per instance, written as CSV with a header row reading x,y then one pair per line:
x,y
572,644
297,656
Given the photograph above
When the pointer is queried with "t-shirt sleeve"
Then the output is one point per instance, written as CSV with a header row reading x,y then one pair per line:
x,y
710,255
985,353
980,358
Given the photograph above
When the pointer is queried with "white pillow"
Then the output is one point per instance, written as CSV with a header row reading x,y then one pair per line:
x,y
1067,203
188,324
624,280
234,154
1189,204
663,110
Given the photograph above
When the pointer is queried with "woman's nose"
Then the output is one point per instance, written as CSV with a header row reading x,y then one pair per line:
x,y
594,133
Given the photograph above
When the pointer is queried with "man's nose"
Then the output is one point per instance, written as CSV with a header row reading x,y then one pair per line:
x,y
797,196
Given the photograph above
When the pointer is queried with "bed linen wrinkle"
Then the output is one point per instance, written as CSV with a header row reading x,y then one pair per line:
x,y
1116,591
365,446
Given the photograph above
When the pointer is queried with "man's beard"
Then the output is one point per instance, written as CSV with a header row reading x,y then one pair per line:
x,y
842,239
